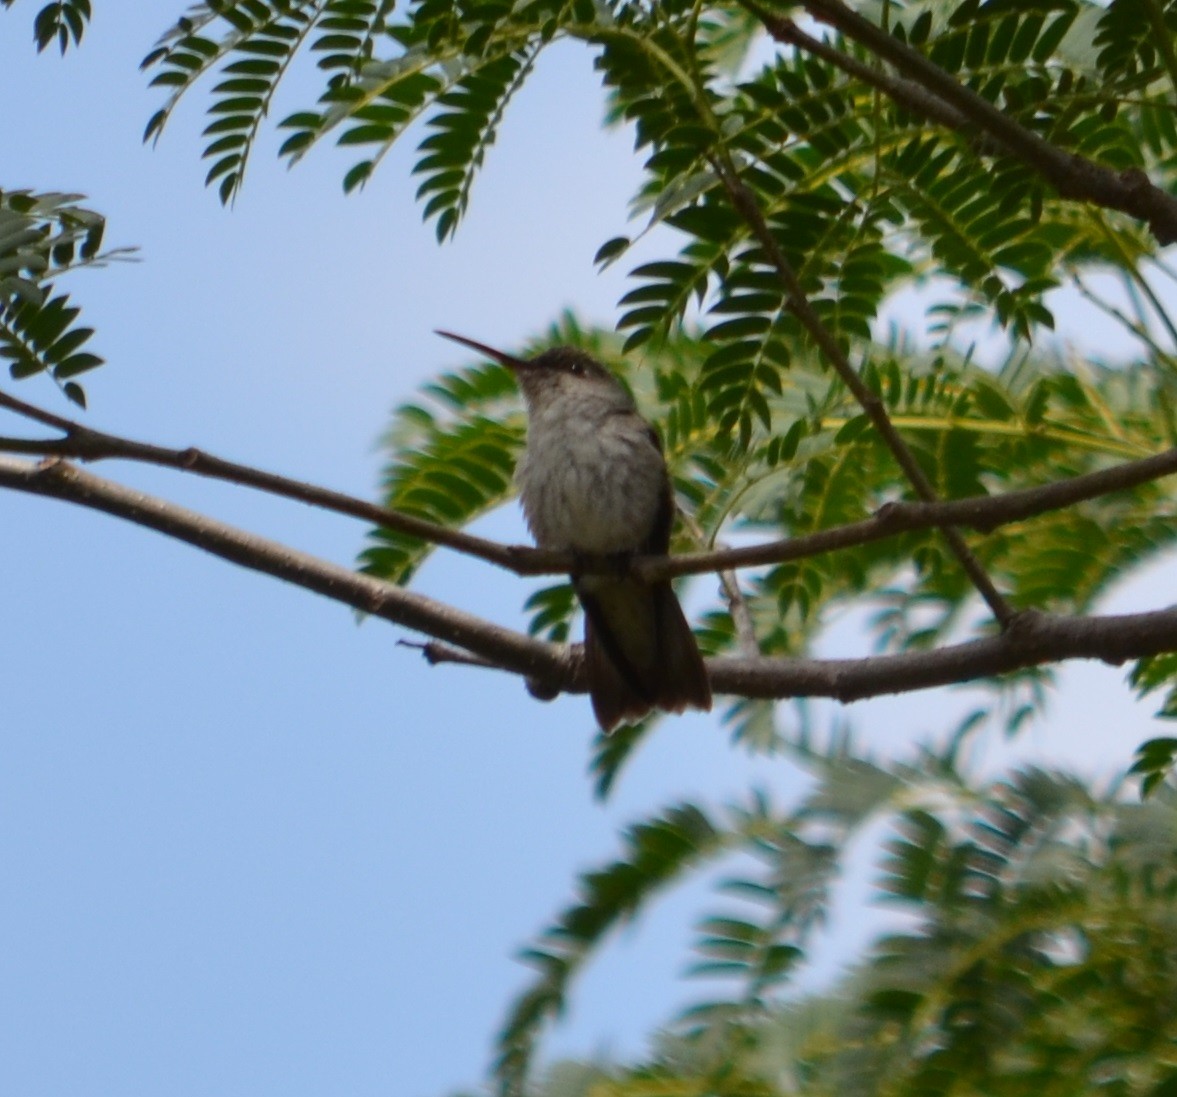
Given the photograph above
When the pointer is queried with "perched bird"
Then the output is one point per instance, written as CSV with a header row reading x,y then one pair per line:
x,y
593,481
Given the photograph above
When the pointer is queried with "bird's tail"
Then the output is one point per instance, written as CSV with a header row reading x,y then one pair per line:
x,y
640,652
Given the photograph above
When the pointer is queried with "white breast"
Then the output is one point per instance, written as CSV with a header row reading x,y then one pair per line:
x,y
592,482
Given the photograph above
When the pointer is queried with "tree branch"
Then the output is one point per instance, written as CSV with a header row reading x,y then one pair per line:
x,y
983,513
1033,639
907,93
1072,175
503,647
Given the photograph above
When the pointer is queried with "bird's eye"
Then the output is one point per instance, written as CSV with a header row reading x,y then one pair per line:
x,y
576,367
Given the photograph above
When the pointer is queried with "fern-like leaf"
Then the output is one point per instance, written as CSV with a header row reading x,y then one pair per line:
x,y
656,853
44,236
63,22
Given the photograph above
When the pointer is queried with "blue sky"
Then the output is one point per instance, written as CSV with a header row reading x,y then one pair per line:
x,y
249,846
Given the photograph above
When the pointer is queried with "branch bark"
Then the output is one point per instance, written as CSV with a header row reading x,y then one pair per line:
x,y
983,513
907,93
1032,639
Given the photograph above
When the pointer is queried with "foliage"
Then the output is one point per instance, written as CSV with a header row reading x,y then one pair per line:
x,y
456,449
657,851
43,236
63,22
1033,955
864,199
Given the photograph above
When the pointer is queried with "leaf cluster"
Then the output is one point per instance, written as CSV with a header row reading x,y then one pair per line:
x,y
1156,758
456,449
1032,956
62,21
439,64
43,236
859,192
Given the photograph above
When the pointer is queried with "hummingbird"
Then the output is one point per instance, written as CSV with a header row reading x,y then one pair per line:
x,y
593,480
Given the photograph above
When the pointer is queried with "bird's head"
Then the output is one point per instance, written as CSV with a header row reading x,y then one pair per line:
x,y
557,374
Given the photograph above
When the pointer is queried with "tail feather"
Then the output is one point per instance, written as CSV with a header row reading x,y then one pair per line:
x,y
684,683
640,652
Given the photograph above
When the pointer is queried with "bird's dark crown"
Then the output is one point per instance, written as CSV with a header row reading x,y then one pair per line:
x,y
570,360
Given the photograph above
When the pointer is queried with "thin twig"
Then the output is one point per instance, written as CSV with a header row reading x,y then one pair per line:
x,y
1133,327
1134,276
737,604
741,613
436,653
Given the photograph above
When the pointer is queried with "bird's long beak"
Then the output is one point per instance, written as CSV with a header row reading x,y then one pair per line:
x,y
511,362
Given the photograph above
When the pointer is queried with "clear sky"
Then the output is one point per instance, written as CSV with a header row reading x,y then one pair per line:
x,y
248,846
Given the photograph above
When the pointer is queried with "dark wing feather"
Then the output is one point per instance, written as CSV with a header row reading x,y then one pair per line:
x,y
658,543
